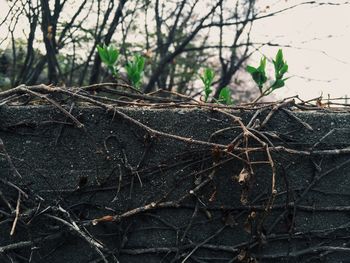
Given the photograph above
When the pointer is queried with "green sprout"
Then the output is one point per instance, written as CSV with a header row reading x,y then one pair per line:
x,y
207,79
281,68
259,75
225,96
135,70
109,56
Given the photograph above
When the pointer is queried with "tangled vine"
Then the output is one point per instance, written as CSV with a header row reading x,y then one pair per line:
x,y
227,198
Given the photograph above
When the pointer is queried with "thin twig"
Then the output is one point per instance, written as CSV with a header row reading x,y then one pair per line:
x,y
17,214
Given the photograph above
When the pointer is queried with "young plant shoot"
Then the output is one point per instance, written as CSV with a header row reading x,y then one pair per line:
x,y
281,68
259,75
225,96
207,79
109,56
135,70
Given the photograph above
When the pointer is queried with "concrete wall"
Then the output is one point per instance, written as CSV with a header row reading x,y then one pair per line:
x,y
70,176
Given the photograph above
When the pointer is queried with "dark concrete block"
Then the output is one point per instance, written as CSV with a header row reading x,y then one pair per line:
x,y
74,174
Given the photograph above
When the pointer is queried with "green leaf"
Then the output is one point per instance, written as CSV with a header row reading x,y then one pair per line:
x,y
284,69
113,54
259,78
251,69
102,51
262,65
109,56
207,79
209,74
279,83
258,74
225,96
140,63
207,93
278,62
279,57
135,69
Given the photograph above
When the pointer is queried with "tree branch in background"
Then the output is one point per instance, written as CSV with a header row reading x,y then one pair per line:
x,y
178,39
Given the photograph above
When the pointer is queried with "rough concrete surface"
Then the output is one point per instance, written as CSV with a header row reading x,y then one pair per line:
x,y
74,174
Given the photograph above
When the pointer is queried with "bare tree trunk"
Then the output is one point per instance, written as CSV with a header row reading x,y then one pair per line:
x,y
33,18
48,27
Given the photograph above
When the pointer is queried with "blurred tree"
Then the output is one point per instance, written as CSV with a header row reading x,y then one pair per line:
x,y
178,38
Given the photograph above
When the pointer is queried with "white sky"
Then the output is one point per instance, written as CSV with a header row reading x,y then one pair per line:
x,y
320,61
320,58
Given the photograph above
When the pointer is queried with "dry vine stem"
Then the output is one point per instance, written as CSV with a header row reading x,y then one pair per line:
x,y
248,140
17,214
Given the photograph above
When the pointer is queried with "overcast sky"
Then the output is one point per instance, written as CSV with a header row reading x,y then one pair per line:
x,y
319,59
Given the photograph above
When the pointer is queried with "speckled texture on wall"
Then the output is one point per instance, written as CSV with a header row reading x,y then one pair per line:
x,y
183,199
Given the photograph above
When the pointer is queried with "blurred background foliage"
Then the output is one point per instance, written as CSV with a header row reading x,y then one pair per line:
x,y
54,42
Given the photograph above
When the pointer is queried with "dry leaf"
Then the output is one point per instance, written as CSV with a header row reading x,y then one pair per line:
x,y
243,176
242,255
230,148
252,215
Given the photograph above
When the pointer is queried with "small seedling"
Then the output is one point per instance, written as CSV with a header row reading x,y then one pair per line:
x,y
281,68
109,56
135,70
225,96
259,75
207,79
